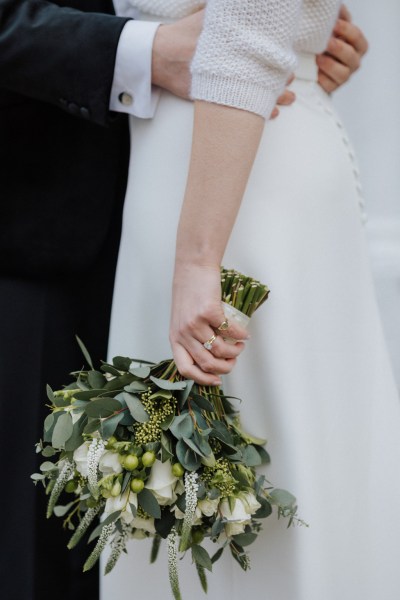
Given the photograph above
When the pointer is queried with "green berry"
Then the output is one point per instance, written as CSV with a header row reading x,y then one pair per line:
x,y
137,485
71,486
130,462
148,459
111,441
177,470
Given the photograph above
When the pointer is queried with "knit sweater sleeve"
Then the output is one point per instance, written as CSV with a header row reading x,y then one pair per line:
x,y
245,53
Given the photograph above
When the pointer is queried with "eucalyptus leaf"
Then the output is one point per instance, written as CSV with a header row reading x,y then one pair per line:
x,y
102,407
188,459
282,498
48,451
119,382
245,539
182,426
217,527
201,557
109,425
122,363
48,466
183,396
136,387
135,408
84,352
141,372
50,393
76,438
49,422
217,555
60,511
62,430
92,426
149,503
61,402
110,369
251,457
203,403
164,384
96,380
265,510
164,525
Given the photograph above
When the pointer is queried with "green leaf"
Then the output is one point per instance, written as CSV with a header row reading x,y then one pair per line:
x,y
164,384
136,387
217,555
62,431
245,539
48,466
217,527
202,577
49,422
96,380
155,548
88,395
110,369
125,483
149,503
76,438
282,498
182,426
251,457
61,402
203,403
201,557
60,511
109,425
185,393
48,451
122,363
50,394
119,382
85,352
265,457
166,448
92,426
165,523
188,459
265,510
141,372
135,408
221,432
102,407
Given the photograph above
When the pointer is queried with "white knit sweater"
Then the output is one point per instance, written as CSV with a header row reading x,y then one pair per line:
x,y
248,47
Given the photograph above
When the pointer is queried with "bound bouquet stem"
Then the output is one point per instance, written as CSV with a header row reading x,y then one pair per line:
x,y
154,455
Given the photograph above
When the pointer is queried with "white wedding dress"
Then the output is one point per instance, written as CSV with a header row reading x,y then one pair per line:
x,y
315,378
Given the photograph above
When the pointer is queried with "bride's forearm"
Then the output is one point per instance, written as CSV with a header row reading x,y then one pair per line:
x,y
225,141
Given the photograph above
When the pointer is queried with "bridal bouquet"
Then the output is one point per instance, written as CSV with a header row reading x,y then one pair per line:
x,y
154,455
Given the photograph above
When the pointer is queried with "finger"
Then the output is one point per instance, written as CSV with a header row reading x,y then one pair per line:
x,y
344,53
287,98
326,82
333,69
290,79
274,113
345,14
351,34
187,368
222,349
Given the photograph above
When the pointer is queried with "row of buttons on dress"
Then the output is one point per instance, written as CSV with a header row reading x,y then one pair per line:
x,y
74,109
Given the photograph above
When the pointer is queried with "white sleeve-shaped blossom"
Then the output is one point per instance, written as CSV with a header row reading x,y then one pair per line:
x,y
95,452
173,564
191,488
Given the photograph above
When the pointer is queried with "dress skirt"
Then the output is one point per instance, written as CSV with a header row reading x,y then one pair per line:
x,y
315,377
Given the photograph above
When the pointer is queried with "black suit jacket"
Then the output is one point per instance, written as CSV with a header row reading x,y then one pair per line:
x,y
63,155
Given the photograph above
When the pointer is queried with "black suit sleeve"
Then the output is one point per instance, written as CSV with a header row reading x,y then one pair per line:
x,y
59,55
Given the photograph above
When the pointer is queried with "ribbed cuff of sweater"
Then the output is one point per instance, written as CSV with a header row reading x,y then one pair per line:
x,y
234,92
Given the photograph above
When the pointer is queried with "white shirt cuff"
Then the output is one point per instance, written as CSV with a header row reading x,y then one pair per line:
x,y
131,90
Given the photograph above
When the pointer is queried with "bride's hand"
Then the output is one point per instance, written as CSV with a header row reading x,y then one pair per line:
x,y
196,315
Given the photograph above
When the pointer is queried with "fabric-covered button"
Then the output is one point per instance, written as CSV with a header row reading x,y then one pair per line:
x,y
125,99
73,108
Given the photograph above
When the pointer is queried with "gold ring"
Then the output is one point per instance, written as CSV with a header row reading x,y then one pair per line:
x,y
208,344
224,326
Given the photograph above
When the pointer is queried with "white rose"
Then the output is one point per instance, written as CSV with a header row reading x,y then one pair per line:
x,y
144,524
208,507
122,503
236,519
109,463
80,458
162,483
250,502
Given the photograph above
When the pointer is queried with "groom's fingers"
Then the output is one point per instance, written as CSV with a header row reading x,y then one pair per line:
x,y
173,49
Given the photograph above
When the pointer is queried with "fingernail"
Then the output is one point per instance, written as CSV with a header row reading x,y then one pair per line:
x,y
217,382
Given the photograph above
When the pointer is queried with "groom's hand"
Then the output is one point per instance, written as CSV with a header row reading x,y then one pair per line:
x,y
343,54
173,50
